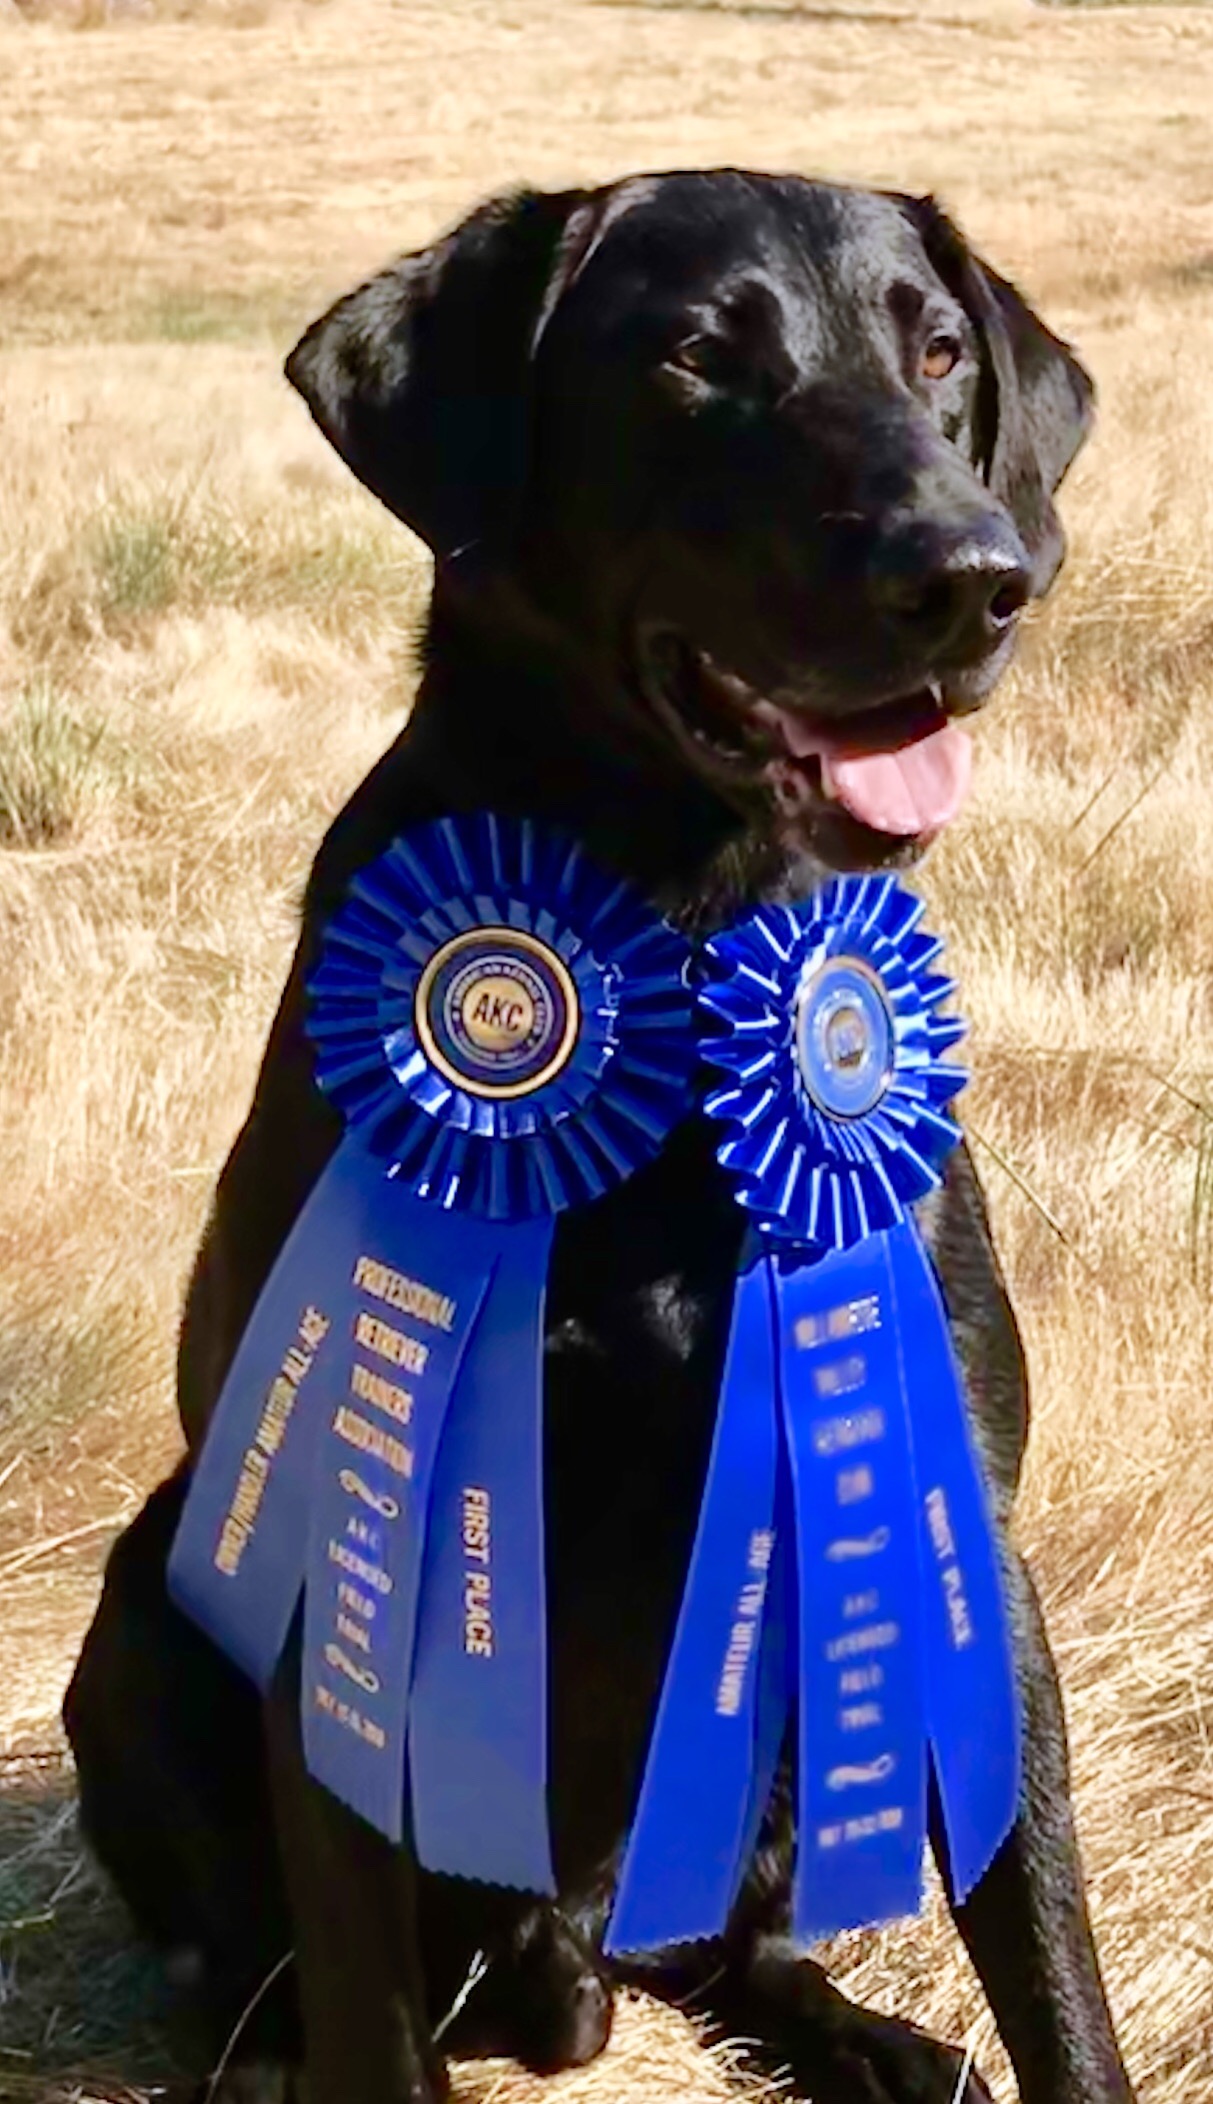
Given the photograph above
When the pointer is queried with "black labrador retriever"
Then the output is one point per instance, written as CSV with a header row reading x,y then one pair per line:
x,y
736,486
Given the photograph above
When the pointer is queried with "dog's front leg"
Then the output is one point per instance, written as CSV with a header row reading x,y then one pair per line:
x,y
837,2052
1026,1925
353,1904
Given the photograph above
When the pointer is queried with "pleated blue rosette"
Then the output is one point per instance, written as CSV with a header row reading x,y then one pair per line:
x,y
832,1138
844,1598
522,1131
507,1031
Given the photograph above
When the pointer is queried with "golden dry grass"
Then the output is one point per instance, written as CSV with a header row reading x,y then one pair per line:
x,y
204,639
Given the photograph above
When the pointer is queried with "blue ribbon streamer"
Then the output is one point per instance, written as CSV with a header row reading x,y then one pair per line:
x,y
973,1711
679,1875
883,1619
882,1627
508,1033
847,1417
236,1564
370,1492
478,1711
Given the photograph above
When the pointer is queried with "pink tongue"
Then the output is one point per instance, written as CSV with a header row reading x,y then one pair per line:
x,y
914,790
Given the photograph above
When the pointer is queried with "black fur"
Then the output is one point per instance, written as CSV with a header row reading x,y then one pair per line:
x,y
676,451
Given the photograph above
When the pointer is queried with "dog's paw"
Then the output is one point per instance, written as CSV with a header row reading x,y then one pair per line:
x,y
869,2059
568,2028
543,2001
562,2005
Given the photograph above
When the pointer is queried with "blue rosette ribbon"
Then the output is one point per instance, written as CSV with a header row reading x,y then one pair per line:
x,y
507,1032
845,1577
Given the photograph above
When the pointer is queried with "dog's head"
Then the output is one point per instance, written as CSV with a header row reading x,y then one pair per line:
x,y
776,459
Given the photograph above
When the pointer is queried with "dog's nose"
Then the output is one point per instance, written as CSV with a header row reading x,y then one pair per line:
x,y
955,592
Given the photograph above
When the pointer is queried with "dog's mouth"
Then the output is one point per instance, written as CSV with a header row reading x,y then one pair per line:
x,y
896,772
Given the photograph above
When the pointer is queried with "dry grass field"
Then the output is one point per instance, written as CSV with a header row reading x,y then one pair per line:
x,y
205,635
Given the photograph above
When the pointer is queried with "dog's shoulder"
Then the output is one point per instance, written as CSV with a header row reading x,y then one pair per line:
x,y
400,791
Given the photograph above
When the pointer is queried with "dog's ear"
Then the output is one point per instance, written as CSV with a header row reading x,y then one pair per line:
x,y
420,377
1036,402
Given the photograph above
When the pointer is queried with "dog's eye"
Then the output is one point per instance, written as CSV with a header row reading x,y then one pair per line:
x,y
695,354
743,355
941,355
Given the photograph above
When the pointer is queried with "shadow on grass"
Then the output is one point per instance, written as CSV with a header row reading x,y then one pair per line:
x,y
84,2013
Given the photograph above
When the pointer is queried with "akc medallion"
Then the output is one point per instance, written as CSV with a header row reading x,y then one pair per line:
x,y
497,1012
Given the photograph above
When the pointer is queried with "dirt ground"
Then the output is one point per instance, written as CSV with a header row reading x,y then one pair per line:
x,y
205,635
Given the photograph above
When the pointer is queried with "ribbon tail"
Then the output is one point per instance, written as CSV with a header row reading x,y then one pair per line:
x,y
681,1865
861,1756
478,1727
973,1711
237,1562
409,1305
776,1672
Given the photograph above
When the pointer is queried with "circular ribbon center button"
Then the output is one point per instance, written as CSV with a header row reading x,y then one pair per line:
x,y
844,1038
497,1012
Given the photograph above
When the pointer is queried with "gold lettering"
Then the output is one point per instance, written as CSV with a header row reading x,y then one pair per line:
x,y
860,1716
732,1674
939,1523
407,1294
476,1541
345,1713
842,1377
850,1320
313,1327
837,1435
478,1585
888,1821
362,1676
960,1622
878,1636
387,1343
477,1619
241,1517
232,1544
860,1680
375,1388
276,1415
238,1525
370,1439
370,1574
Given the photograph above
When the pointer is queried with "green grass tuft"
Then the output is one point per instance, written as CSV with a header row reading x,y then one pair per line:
x,y
186,552
135,560
57,766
